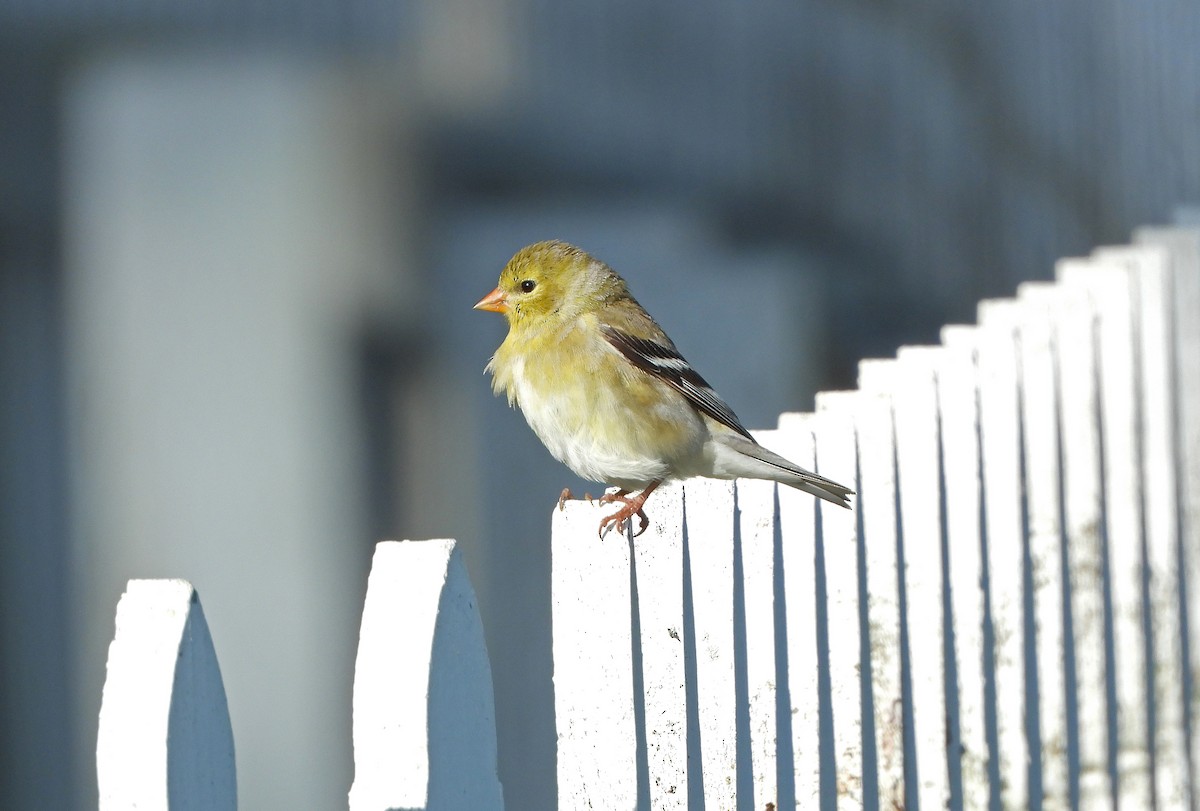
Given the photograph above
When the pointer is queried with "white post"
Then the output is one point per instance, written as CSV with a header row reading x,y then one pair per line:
x,y
424,720
165,741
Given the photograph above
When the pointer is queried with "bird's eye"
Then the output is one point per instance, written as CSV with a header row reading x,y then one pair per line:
x,y
528,285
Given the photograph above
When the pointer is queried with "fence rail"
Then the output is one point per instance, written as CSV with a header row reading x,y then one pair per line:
x,y
1001,622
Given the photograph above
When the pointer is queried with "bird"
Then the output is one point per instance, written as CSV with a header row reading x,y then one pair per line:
x,y
607,392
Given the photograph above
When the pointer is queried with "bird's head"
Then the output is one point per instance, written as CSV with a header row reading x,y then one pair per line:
x,y
551,279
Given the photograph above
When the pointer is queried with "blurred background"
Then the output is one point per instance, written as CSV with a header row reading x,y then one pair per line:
x,y
239,245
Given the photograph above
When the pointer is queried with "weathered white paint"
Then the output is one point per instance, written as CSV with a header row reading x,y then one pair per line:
x,y
836,459
797,524
915,407
876,503
1075,346
959,408
658,563
1149,271
593,662
424,723
756,519
708,507
1039,420
1113,297
164,741
1183,246
999,416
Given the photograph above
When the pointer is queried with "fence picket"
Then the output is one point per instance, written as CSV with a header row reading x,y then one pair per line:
x,y
593,662
424,721
1183,249
876,504
1074,330
835,458
658,600
797,520
756,518
1149,273
165,740
959,409
709,514
1109,286
1039,421
1004,534
915,404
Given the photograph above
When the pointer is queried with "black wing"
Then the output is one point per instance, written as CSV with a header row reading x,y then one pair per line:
x,y
664,362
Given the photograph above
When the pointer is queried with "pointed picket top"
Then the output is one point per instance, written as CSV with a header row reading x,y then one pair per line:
x,y
165,741
424,719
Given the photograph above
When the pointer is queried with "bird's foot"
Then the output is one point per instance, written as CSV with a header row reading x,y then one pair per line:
x,y
622,518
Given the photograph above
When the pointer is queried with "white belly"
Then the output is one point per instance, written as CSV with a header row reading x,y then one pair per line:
x,y
570,426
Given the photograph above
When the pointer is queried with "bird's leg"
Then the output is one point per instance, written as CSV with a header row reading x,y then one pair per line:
x,y
633,506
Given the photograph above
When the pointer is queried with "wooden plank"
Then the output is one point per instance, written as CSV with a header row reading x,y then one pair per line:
x,y
1112,294
709,513
999,414
797,517
593,662
959,409
876,502
836,459
164,739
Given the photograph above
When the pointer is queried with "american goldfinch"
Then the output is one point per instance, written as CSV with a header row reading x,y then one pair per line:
x,y
608,394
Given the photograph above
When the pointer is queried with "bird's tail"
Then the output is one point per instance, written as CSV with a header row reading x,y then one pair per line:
x,y
774,467
821,487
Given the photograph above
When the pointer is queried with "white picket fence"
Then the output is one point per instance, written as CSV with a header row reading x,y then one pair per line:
x,y
1000,622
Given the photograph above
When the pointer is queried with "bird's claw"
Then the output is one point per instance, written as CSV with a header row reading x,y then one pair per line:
x,y
565,496
622,518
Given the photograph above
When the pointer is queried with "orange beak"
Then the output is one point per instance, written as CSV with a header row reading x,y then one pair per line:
x,y
493,302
